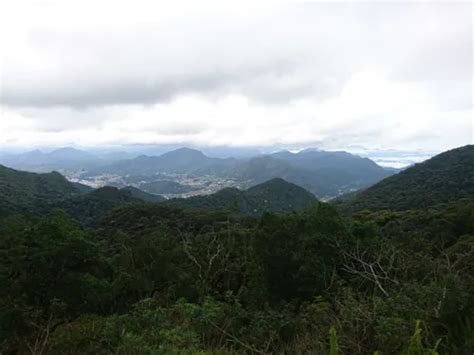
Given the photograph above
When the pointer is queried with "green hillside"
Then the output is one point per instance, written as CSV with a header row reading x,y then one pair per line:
x,y
142,195
446,177
91,207
275,195
23,192
36,194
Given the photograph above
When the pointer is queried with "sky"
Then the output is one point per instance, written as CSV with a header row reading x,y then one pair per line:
x,y
373,75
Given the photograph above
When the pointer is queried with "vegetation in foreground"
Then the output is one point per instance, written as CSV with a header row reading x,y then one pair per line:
x,y
108,274
152,278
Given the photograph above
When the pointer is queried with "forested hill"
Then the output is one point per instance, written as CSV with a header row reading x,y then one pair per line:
x,y
22,191
37,194
154,278
276,195
142,195
446,177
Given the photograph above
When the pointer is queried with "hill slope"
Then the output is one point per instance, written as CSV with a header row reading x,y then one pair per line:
x,y
36,194
275,195
446,177
23,192
142,195
91,207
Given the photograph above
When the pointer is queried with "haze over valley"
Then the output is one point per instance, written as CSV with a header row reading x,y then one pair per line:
x,y
186,172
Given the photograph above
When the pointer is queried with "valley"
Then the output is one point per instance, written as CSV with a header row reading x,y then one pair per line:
x,y
186,172
169,185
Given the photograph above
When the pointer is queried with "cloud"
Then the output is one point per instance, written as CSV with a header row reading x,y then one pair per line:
x,y
410,123
376,74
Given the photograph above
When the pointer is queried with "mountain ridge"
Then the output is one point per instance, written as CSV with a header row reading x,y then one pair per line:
x,y
327,174
33,193
276,195
446,177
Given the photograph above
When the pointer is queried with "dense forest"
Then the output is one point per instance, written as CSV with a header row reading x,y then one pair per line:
x,y
136,277
446,177
276,195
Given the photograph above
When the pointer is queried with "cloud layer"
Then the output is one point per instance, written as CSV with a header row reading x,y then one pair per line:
x,y
381,75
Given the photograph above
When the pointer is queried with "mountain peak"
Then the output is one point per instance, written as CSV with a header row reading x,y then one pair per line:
x,y
309,150
185,151
276,181
70,152
279,186
277,195
65,150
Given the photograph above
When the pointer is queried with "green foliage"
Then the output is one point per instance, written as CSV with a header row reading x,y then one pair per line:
x,y
333,341
446,177
275,195
22,192
161,279
416,347
298,253
91,207
142,195
50,271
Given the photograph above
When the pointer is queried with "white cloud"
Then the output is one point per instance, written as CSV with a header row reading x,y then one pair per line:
x,y
393,75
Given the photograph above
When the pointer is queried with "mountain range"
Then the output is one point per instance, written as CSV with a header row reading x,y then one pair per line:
x,y
325,174
182,160
446,177
35,194
63,159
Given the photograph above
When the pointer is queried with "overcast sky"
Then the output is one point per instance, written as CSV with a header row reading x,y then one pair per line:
x,y
373,74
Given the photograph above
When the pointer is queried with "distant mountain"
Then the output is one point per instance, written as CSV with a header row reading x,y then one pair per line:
x,y
341,167
317,160
183,160
275,195
446,177
325,174
113,156
63,159
68,154
257,170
